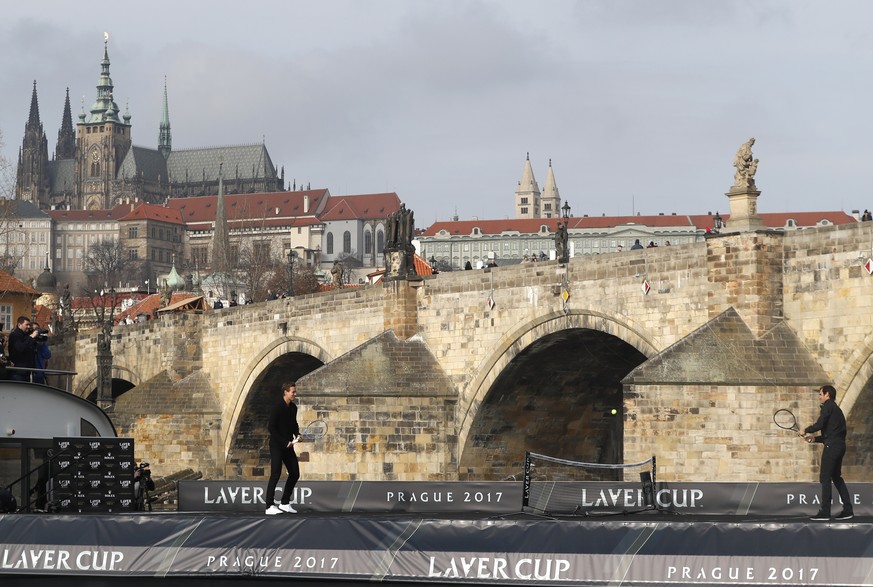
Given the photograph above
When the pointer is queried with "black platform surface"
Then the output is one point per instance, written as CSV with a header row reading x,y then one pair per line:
x,y
643,548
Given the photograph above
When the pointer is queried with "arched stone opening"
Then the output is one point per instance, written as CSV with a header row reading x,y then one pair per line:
x,y
248,456
555,397
855,396
123,380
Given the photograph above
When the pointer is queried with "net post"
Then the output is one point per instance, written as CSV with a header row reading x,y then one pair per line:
x,y
525,489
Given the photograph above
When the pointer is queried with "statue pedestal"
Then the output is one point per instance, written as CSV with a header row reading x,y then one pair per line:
x,y
744,209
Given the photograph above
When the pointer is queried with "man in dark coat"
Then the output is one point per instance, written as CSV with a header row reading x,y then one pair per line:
x,y
284,432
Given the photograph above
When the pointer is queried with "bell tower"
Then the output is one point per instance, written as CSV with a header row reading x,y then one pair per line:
x,y
103,141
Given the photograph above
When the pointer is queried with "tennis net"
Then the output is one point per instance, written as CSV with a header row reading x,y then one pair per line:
x,y
561,486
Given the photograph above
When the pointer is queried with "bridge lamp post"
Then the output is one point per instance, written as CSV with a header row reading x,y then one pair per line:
x,y
292,254
719,223
566,210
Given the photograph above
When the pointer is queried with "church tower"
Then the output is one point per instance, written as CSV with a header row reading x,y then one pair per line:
x,y
551,200
103,141
165,140
527,195
66,147
32,181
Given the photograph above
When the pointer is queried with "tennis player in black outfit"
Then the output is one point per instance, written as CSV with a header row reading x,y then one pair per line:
x,y
832,424
284,430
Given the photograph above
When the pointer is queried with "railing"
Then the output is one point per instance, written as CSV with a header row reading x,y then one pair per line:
x,y
64,378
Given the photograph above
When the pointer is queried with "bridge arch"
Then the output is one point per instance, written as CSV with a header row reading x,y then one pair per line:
x,y
855,390
309,352
88,383
526,357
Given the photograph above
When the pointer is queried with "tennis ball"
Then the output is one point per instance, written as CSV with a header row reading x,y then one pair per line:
x,y
614,411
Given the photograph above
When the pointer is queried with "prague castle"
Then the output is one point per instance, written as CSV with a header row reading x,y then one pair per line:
x,y
97,166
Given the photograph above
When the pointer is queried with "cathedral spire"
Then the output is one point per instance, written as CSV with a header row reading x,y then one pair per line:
x,y
165,140
220,244
32,180
33,119
66,147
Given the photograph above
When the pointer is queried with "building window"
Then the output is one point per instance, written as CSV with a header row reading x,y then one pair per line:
x,y
330,243
368,242
261,250
200,256
132,254
524,200
133,232
380,242
6,317
524,210
347,242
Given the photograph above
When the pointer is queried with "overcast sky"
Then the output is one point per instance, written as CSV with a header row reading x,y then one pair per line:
x,y
640,105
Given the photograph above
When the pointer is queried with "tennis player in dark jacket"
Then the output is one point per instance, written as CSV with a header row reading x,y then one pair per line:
x,y
832,424
284,430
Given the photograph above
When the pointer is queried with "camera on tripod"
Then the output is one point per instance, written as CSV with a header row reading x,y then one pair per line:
x,y
142,484
142,474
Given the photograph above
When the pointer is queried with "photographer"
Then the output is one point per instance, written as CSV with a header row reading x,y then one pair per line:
x,y
43,353
22,348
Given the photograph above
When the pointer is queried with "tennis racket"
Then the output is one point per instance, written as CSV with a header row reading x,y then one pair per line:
x,y
785,419
315,430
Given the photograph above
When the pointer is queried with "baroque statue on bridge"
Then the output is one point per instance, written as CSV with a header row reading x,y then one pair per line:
x,y
746,166
399,252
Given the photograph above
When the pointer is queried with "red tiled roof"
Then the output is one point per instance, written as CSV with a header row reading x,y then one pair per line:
x,y
153,212
148,304
43,316
422,266
105,301
90,215
262,208
699,221
9,284
363,206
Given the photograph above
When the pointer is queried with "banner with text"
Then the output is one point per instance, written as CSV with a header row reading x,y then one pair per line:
x,y
493,551
502,497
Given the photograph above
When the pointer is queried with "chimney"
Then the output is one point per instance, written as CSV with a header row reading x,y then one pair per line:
x,y
306,204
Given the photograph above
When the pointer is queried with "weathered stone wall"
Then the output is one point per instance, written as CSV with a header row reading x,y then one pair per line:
x,y
175,424
719,433
829,301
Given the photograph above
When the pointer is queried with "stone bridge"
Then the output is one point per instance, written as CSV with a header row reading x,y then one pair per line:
x,y
455,376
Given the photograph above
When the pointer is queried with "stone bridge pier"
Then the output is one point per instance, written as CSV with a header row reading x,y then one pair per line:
x,y
455,376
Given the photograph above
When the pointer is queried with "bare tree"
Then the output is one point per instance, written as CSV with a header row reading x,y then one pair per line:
x,y
305,280
104,264
12,251
7,178
255,263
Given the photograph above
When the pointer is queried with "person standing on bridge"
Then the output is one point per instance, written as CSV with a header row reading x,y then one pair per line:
x,y
832,424
22,348
284,429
